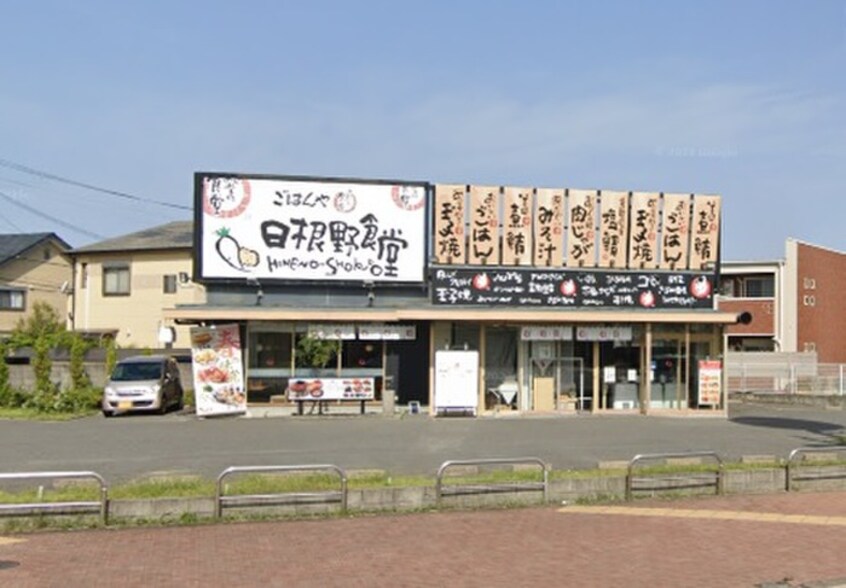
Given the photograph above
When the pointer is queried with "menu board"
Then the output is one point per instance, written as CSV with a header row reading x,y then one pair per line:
x,y
218,371
331,389
710,382
572,288
456,381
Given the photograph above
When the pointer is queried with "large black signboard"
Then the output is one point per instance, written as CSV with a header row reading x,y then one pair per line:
x,y
569,288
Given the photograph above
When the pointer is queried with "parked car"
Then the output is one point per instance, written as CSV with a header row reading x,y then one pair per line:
x,y
143,383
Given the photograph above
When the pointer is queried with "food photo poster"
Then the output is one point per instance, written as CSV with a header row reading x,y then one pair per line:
x,y
218,370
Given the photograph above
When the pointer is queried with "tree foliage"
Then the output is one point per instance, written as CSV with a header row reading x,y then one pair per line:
x,y
43,331
43,324
316,353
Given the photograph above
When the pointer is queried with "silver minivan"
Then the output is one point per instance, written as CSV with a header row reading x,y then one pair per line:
x,y
143,383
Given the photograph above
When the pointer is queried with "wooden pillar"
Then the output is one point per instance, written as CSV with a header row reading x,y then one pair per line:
x,y
483,344
598,397
646,389
687,351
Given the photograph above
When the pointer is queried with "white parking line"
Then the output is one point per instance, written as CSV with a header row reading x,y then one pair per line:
x,y
722,515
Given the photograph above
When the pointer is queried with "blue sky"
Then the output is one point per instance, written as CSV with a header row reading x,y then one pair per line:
x,y
743,99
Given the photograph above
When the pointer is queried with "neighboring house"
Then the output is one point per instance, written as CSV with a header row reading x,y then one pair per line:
x,y
796,303
121,286
34,267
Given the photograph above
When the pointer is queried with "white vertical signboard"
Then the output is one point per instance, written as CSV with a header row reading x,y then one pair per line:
x,y
456,381
218,370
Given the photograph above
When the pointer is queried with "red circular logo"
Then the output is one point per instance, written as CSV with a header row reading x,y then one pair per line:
x,y
409,197
225,197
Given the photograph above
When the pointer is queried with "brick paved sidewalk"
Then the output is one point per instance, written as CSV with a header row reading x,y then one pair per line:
x,y
539,546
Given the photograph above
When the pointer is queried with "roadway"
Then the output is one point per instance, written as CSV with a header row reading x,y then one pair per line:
x,y
133,447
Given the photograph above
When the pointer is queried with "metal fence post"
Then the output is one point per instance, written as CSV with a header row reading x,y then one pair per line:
x,y
793,383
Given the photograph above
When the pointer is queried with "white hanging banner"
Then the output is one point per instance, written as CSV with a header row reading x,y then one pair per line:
x,y
387,332
546,333
332,331
604,333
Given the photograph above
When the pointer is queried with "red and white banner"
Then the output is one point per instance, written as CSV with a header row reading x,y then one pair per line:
x,y
710,382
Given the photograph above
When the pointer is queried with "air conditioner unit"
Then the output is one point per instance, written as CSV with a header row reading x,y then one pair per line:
x,y
184,279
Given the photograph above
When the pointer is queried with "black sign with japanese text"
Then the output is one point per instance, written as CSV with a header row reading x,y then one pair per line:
x,y
572,288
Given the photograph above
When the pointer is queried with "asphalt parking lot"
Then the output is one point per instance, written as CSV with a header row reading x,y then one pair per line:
x,y
133,447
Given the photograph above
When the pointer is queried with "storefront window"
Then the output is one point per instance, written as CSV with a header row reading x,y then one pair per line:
x,y
668,373
501,363
315,357
270,354
465,336
270,350
361,354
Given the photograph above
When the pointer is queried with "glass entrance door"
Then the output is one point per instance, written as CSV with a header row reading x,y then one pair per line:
x,y
668,373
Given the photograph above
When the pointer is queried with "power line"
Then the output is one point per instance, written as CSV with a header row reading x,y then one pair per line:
x,y
50,218
10,223
54,177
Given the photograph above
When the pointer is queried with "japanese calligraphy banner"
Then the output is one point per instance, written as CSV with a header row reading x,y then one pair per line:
x,y
613,229
484,225
581,232
675,231
517,227
449,224
294,229
705,231
643,231
549,228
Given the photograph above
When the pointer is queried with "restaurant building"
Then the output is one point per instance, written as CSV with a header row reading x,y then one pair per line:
x,y
464,299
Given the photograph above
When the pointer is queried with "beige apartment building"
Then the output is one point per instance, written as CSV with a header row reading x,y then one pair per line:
x,y
121,285
34,267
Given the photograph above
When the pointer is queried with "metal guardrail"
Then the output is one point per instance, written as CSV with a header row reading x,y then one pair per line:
x,y
465,489
100,506
791,475
677,481
242,500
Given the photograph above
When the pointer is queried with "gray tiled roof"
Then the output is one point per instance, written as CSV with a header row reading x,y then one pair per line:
x,y
12,245
175,235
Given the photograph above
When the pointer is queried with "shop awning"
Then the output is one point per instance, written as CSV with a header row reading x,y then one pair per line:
x,y
197,314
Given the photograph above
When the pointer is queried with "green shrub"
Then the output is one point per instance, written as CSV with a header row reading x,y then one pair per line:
x,y
5,387
79,377
79,399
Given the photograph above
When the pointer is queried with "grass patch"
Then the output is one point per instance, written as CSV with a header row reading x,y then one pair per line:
x,y
31,414
163,488
70,493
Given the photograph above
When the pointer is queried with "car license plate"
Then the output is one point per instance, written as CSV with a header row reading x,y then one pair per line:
x,y
125,404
